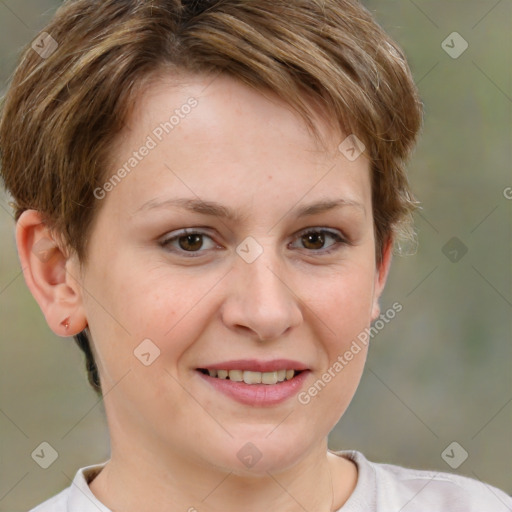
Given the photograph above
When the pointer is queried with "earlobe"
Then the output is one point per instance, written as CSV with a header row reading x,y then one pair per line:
x,y
45,267
381,276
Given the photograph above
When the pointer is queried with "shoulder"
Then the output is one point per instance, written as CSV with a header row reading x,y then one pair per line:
x,y
397,488
78,497
57,503
426,489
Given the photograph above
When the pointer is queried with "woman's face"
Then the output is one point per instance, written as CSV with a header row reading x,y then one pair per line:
x,y
245,289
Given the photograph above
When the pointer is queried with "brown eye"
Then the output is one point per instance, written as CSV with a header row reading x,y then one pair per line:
x,y
190,242
313,240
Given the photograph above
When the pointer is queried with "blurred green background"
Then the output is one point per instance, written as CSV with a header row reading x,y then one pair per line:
x,y
438,373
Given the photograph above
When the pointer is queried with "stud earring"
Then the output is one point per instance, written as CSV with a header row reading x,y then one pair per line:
x,y
65,323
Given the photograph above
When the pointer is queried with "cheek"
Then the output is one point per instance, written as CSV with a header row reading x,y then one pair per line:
x,y
342,301
341,313
168,307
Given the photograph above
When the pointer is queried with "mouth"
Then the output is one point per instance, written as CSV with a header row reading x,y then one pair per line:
x,y
252,377
254,382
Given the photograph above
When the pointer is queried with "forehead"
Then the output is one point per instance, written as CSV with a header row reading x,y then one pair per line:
x,y
224,101
214,137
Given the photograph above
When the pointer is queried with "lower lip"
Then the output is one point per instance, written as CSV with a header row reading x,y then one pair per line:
x,y
258,394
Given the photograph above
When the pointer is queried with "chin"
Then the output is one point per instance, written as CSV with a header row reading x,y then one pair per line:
x,y
260,453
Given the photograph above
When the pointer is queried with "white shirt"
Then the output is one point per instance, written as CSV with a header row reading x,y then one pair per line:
x,y
379,488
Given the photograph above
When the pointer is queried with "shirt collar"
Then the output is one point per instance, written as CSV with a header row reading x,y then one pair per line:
x,y
80,496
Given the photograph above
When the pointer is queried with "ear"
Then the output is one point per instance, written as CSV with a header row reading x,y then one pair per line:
x,y
381,275
50,275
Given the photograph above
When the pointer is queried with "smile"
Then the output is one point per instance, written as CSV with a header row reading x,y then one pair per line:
x,y
256,388
251,377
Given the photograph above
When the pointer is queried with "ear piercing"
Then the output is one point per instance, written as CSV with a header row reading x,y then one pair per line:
x,y
65,323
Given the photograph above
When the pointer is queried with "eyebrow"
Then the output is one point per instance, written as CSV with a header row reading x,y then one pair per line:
x,y
215,209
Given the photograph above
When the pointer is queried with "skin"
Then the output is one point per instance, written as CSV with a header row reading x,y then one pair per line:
x,y
174,439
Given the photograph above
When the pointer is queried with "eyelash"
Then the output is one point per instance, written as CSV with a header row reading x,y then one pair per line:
x,y
340,240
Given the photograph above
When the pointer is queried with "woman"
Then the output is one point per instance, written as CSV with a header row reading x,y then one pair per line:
x,y
208,203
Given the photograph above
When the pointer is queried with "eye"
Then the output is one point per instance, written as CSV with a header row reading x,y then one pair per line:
x,y
187,241
190,242
315,239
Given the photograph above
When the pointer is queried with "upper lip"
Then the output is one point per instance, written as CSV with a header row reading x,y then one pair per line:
x,y
256,365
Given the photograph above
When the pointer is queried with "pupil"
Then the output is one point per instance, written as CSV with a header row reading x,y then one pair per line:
x,y
314,237
194,242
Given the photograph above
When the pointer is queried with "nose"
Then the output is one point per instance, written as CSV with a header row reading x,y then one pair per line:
x,y
260,299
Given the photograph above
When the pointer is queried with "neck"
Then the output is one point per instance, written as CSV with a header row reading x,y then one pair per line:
x,y
320,481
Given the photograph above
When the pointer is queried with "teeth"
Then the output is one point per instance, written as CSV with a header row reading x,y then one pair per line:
x,y
236,375
269,378
250,377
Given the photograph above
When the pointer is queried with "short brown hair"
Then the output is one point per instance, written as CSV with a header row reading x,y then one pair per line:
x,y
63,110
